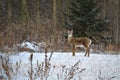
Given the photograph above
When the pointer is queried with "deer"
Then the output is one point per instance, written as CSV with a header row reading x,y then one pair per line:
x,y
79,42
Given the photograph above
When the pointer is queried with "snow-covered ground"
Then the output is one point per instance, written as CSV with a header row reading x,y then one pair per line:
x,y
63,65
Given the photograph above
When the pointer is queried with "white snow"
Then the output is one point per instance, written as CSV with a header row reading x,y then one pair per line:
x,y
36,47
103,65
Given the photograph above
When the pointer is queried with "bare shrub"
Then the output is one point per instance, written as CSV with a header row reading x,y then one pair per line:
x,y
7,67
104,77
42,70
71,73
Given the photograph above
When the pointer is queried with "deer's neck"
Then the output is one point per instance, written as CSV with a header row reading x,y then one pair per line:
x,y
70,38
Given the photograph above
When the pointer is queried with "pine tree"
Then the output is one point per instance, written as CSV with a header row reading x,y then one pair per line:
x,y
83,19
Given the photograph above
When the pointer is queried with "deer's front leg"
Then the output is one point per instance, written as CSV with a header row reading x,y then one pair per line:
x,y
86,51
73,50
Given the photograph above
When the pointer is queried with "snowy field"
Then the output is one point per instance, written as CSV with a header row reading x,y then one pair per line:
x,y
63,66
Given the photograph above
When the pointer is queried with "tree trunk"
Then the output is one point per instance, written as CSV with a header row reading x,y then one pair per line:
x,y
0,11
104,9
116,22
60,8
54,37
54,13
9,11
37,11
24,12
119,25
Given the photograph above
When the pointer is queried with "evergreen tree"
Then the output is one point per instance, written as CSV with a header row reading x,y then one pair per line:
x,y
83,19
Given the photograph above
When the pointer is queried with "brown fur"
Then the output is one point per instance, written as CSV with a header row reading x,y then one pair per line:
x,y
77,42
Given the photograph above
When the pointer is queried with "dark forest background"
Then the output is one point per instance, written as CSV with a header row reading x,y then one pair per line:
x,y
43,20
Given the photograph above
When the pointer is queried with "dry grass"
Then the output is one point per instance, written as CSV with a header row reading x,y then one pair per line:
x,y
42,70
109,48
7,67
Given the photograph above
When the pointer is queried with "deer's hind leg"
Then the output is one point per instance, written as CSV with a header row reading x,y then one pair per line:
x,y
87,53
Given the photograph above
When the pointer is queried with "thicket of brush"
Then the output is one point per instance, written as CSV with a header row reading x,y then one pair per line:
x,y
43,32
37,21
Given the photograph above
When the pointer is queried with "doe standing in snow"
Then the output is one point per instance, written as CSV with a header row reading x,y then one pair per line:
x,y
78,42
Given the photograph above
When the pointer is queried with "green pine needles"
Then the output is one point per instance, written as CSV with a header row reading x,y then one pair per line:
x,y
83,18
